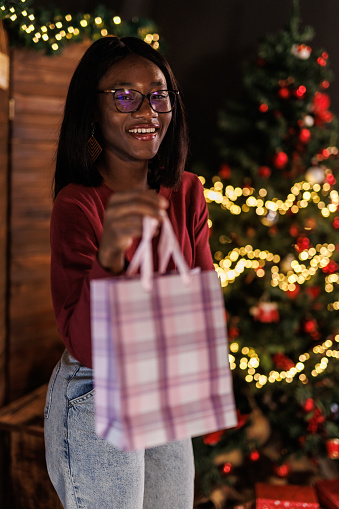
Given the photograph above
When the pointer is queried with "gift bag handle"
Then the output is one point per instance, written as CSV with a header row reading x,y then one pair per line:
x,y
168,246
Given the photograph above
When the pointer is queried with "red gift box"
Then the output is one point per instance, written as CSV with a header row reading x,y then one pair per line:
x,y
328,493
271,496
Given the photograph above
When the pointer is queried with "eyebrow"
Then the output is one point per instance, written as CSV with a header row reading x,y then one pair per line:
x,y
129,84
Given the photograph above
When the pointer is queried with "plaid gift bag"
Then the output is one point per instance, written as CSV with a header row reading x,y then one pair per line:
x,y
160,358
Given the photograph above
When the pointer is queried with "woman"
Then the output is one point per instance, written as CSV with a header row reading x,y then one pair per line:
x,y
121,156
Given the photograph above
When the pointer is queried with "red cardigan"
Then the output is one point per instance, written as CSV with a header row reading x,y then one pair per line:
x,y
76,229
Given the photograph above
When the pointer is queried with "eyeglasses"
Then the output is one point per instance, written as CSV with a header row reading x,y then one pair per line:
x,y
128,100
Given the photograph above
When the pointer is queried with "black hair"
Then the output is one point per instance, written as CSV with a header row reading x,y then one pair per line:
x,y
73,163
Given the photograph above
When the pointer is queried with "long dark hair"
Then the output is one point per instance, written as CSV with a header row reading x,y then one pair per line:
x,y
73,163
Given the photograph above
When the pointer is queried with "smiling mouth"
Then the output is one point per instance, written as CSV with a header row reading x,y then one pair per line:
x,y
143,130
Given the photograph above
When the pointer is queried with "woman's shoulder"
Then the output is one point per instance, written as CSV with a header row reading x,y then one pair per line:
x,y
80,194
191,186
190,180
76,197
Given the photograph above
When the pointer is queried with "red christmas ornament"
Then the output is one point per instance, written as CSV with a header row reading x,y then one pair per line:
x,y
309,405
284,93
305,135
233,332
263,107
301,51
242,419
280,160
336,222
282,470
294,230
264,171
332,446
330,268
310,325
254,456
291,294
224,171
300,92
324,55
321,103
302,243
227,468
313,291
266,312
321,61
282,361
330,178
316,421
325,84
213,438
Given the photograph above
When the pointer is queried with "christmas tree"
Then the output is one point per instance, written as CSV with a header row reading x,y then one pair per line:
x,y
274,225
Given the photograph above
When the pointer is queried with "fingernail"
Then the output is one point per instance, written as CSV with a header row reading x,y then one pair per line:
x,y
163,201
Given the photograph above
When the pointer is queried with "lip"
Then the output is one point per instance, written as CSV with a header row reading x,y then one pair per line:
x,y
143,132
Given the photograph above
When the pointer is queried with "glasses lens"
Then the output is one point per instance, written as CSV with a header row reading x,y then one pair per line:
x,y
162,101
127,100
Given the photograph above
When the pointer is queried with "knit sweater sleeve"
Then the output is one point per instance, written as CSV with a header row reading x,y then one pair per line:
x,y
75,233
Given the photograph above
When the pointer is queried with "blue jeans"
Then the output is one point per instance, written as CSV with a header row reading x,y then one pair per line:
x,y
88,472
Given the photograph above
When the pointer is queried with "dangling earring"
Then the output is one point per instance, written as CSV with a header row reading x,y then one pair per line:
x,y
94,149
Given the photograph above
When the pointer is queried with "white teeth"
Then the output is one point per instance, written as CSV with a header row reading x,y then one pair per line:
x,y
142,130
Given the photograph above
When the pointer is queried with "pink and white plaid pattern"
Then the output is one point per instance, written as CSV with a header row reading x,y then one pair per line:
x,y
161,368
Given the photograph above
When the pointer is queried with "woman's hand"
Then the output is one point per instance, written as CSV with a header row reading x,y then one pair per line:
x,y
123,223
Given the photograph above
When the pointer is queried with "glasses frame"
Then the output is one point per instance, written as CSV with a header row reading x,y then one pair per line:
x,y
144,96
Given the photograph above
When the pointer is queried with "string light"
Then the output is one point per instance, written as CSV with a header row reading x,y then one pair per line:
x,y
232,265
62,27
250,362
302,193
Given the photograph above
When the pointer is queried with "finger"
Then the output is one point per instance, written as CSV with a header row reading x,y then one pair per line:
x,y
149,197
126,210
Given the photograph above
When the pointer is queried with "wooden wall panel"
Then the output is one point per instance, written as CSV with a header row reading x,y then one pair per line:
x,y
4,125
39,87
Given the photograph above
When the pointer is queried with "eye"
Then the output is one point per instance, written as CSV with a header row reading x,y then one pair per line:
x,y
125,95
160,96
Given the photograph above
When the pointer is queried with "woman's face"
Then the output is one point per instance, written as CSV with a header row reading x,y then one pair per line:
x,y
121,132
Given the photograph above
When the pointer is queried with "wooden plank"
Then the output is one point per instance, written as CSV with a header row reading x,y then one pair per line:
x,y
35,104
26,413
4,127
39,86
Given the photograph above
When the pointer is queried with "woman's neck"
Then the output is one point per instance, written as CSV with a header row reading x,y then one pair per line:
x,y
124,177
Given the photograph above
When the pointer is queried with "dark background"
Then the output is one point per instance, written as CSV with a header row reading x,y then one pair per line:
x,y
208,42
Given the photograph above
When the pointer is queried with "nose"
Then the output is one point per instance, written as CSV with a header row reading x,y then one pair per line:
x,y
145,110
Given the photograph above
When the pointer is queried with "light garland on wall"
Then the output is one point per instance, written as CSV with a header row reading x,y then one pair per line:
x,y
251,362
51,31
